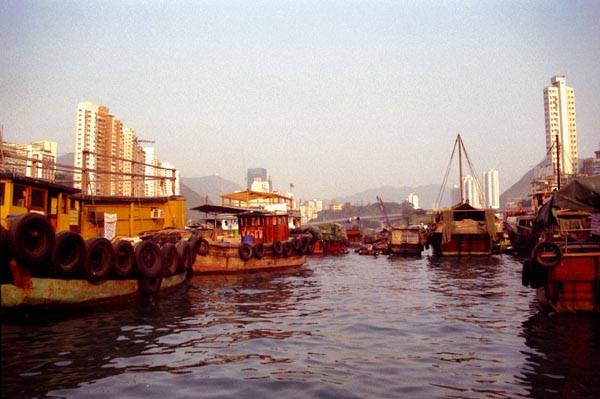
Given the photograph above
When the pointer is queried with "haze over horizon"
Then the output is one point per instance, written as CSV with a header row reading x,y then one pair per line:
x,y
334,97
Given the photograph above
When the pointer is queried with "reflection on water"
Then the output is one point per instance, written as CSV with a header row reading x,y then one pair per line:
x,y
348,326
563,359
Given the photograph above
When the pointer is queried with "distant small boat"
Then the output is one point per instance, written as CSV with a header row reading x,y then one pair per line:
x,y
406,240
354,234
262,242
564,267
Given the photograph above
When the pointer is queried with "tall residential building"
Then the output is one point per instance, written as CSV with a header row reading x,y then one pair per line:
x,y
37,159
110,160
491,188
471,191
561,127
414,200
94,144
255,173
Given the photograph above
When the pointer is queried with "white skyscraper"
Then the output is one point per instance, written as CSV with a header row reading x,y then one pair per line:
x,y
492,189
471,191
414,200
559,107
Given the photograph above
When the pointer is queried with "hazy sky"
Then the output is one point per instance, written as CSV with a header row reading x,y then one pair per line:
x,y
333,96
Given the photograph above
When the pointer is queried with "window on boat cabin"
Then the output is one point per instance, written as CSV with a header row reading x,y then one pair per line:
x,y
38,199
64,205
19,195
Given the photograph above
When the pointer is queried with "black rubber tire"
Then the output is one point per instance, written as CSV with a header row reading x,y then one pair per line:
x,y
100,259
170,259
184,250
310,245
287,249
301,250
70,253
245,251
5,270
31,239
545,247
148,259
203,247
150,286
277,248
4,247
295,244
259,250
125,258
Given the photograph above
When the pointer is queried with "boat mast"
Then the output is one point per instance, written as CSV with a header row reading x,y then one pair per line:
x,y
557,162
460,177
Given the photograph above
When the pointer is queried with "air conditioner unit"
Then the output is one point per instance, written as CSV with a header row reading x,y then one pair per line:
x,y
157,214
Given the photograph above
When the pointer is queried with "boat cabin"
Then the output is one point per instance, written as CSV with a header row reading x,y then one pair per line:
x,y
265,227
22,194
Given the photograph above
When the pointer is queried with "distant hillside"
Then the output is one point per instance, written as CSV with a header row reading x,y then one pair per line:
x,y
517,192
211,186
427,195
65,159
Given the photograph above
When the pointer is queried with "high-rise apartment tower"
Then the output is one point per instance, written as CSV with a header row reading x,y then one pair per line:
x,y
561,128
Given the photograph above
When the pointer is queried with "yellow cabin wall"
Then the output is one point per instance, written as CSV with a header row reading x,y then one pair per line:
x,y
132,217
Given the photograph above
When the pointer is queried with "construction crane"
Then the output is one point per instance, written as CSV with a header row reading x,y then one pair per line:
x,y
382,207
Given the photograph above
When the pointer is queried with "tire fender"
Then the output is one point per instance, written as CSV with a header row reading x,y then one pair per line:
x,y
99,260
277,248
70,253
541,251
203,247
148,259
259,250
31,239
125,258
245,251
170,259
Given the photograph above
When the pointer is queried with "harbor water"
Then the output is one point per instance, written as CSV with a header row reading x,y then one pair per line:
x,y
338,327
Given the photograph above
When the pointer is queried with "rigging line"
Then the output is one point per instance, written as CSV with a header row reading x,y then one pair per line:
x,y
475,176
442,188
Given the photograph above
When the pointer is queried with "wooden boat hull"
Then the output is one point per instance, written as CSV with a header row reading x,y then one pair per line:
x,y
462,245
405,241
405,249
573,285
225,258
35,291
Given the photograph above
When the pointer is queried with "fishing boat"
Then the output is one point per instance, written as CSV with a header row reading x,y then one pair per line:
x,y
49,258
564,267
353,233
262,242
406,240
329,238
463,229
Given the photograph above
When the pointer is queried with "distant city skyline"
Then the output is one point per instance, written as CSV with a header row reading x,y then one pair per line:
x,y
332,97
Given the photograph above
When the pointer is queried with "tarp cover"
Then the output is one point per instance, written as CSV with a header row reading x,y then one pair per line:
x,y
582,194
324,231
